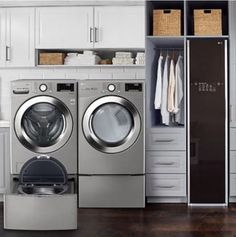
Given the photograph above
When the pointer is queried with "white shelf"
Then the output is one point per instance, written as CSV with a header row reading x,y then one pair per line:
x,y
88,66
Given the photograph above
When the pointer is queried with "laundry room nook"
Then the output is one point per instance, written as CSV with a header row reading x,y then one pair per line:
x,y
117,118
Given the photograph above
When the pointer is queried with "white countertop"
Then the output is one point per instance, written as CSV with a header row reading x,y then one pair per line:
x,y
4,124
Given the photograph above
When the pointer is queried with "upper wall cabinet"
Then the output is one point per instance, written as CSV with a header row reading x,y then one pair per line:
x,y
119,27
2,37
90,27
17,37
64,27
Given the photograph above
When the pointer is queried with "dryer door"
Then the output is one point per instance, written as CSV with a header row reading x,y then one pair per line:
x,y
111,124
43,124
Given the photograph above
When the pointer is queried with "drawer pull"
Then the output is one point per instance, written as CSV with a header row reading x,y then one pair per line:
x,y
165,140
164,163
165,186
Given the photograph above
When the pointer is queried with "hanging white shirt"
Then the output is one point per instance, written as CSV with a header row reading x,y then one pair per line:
x,y
164,112
179,91
171,87
158,92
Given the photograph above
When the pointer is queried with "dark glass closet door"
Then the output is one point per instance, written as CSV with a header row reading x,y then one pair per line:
x,y
207,121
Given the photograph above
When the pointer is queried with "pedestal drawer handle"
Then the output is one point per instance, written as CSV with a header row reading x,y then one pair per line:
x,y
165,140
165,186
164,163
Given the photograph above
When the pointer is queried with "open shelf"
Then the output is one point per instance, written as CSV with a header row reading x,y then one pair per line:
x,y
102,53
152,5
187,20
191,5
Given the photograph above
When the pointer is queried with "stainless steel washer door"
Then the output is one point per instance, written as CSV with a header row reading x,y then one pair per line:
x,y
43,124
111,124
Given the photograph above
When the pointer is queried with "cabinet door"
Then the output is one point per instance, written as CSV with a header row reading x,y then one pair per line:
x,y
20,37
119,27
4,159
208,121
2,37
64,27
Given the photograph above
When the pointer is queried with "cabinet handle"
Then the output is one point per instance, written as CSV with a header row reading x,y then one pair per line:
x,y
165,186
164,140
96,34
91,34
164,163
8,57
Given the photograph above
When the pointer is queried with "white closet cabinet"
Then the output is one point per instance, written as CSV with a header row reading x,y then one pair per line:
x,y
119,27
90,27
17,37
2,37
64,27
4,159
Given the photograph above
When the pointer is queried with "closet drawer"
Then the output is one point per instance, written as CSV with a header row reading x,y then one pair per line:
x,y
232,185
166,185
166,162
233,139
232,163
166,141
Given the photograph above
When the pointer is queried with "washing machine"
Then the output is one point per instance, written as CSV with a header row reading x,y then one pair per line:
x,y
43,134
111,144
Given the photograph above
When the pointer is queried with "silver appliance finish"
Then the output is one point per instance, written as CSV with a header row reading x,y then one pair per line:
x,y
25,94
43,143
111,144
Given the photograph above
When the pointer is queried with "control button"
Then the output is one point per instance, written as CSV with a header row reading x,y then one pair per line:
x,y
111,87
43,87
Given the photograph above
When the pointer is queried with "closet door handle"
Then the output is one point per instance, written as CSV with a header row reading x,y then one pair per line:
x,y
91,34
96,34
230,113
8,56
164,140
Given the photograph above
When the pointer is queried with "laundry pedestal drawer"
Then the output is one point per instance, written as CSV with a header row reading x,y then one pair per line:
x,y
115,191
166,185
46,212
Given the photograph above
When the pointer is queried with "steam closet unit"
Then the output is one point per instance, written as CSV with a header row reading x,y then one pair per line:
x,y
207,139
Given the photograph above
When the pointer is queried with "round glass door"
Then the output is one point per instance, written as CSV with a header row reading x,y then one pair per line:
x,y
111,124
43,124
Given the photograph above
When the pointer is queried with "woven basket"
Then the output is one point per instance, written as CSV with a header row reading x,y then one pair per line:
x,y
51,58
167,22
208,22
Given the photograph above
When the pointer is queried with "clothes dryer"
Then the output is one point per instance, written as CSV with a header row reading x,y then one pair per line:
x,y
111,143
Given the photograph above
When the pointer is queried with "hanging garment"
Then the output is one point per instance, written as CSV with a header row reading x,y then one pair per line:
x,y
164,112
179,91
158,92
171,87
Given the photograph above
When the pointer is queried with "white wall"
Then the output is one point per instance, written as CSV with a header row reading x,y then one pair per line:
x,y
8,75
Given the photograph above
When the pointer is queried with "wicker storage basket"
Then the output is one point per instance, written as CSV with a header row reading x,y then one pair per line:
x,y
51,58
208,22
167,22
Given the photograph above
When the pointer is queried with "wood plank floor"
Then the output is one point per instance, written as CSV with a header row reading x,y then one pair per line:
x,y
154,221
